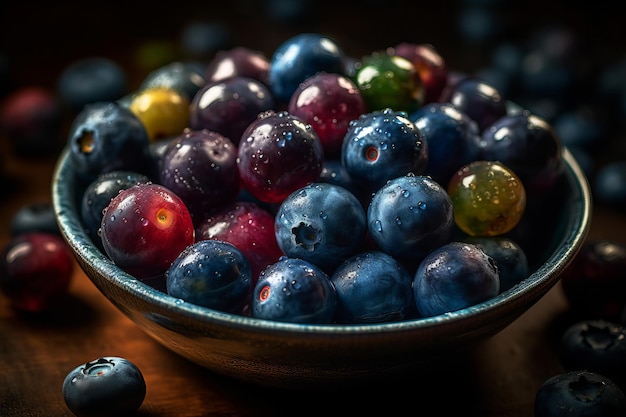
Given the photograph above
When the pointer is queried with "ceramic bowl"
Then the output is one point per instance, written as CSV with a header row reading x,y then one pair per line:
x,y
301,355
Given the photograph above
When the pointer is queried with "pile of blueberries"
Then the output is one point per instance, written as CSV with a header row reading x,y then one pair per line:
x,y
236,161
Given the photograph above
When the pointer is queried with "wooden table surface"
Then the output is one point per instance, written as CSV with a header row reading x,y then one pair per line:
x,y
497,378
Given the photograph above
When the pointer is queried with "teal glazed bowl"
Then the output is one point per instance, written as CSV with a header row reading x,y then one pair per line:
x,y
300,355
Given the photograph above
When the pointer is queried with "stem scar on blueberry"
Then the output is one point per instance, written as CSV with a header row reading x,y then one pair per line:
x,y
371,153
86,142
306,236
264,294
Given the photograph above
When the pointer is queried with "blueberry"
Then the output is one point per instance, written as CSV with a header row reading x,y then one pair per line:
x,y
509,257
454,276
382,145
98,195
294,290
180,76
577,394
90,80
34,217
300,57
410,216
211,273
106,136
321,223
453,139
104,387
609,184
372,287
597,346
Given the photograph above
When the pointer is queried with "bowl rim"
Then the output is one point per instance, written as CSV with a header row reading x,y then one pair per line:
x,y
542,279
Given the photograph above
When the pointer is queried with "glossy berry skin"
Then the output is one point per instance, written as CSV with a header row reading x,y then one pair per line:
x,y
372,287
452,136
321,223
91,80
454,276
229,106
238,62
249,227
510,258
99,194
596,345
328,102
430,66
295,291
106,136
382,145
34,217
300,57
213,274
489,199
389,81
200,167
579,393
410,216
595,282
529,146
482,102
163,111
180,76
106,386
334,172
278,154
138,221
35,271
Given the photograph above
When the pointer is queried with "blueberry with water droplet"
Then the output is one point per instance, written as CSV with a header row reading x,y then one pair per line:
x,y
296,291
382,145
321,223
410,216
211,273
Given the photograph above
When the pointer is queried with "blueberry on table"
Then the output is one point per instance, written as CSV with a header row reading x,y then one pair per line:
x,y
34,217
410,216
144,228
106,136
454,276
452,137
595,283
229,106
295,291
579,394
596,345
300,57
211,273
382,145
321,223
107,386
372,287
35,271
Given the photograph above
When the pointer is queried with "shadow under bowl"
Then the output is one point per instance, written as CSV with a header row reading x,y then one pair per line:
x,y
302,355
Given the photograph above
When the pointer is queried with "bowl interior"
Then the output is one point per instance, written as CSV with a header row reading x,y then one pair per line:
x,y
251,348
